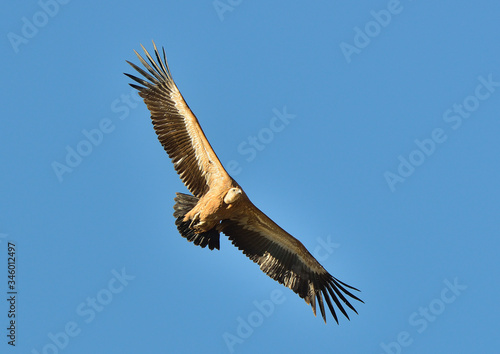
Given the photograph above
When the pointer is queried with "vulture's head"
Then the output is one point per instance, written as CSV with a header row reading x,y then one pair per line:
x,y
232,195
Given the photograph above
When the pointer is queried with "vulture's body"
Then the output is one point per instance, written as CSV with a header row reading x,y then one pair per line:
x,y
219,204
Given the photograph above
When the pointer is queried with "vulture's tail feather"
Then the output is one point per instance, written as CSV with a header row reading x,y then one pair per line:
x,y
183,204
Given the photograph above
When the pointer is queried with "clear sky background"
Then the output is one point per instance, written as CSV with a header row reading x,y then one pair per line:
x,y
386,166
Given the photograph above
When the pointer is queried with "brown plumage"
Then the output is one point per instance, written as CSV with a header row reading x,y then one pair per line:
x,y
219,204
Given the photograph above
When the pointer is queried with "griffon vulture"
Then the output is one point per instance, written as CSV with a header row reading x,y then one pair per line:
x,y
219,204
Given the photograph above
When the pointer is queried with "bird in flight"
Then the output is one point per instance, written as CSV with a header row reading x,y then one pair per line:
x,y
219,204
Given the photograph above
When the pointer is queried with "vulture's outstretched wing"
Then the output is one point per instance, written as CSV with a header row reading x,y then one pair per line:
x,y
176,126
286,260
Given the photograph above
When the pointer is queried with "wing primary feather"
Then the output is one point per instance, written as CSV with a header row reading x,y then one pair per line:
x,y
166,62
139,80
137,87
313,304
346,285
338,284
330,306
163,63
342,297
148,76
157,71
336,300
147,66
321,305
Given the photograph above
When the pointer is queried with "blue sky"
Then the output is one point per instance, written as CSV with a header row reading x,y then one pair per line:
x,y
385,167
